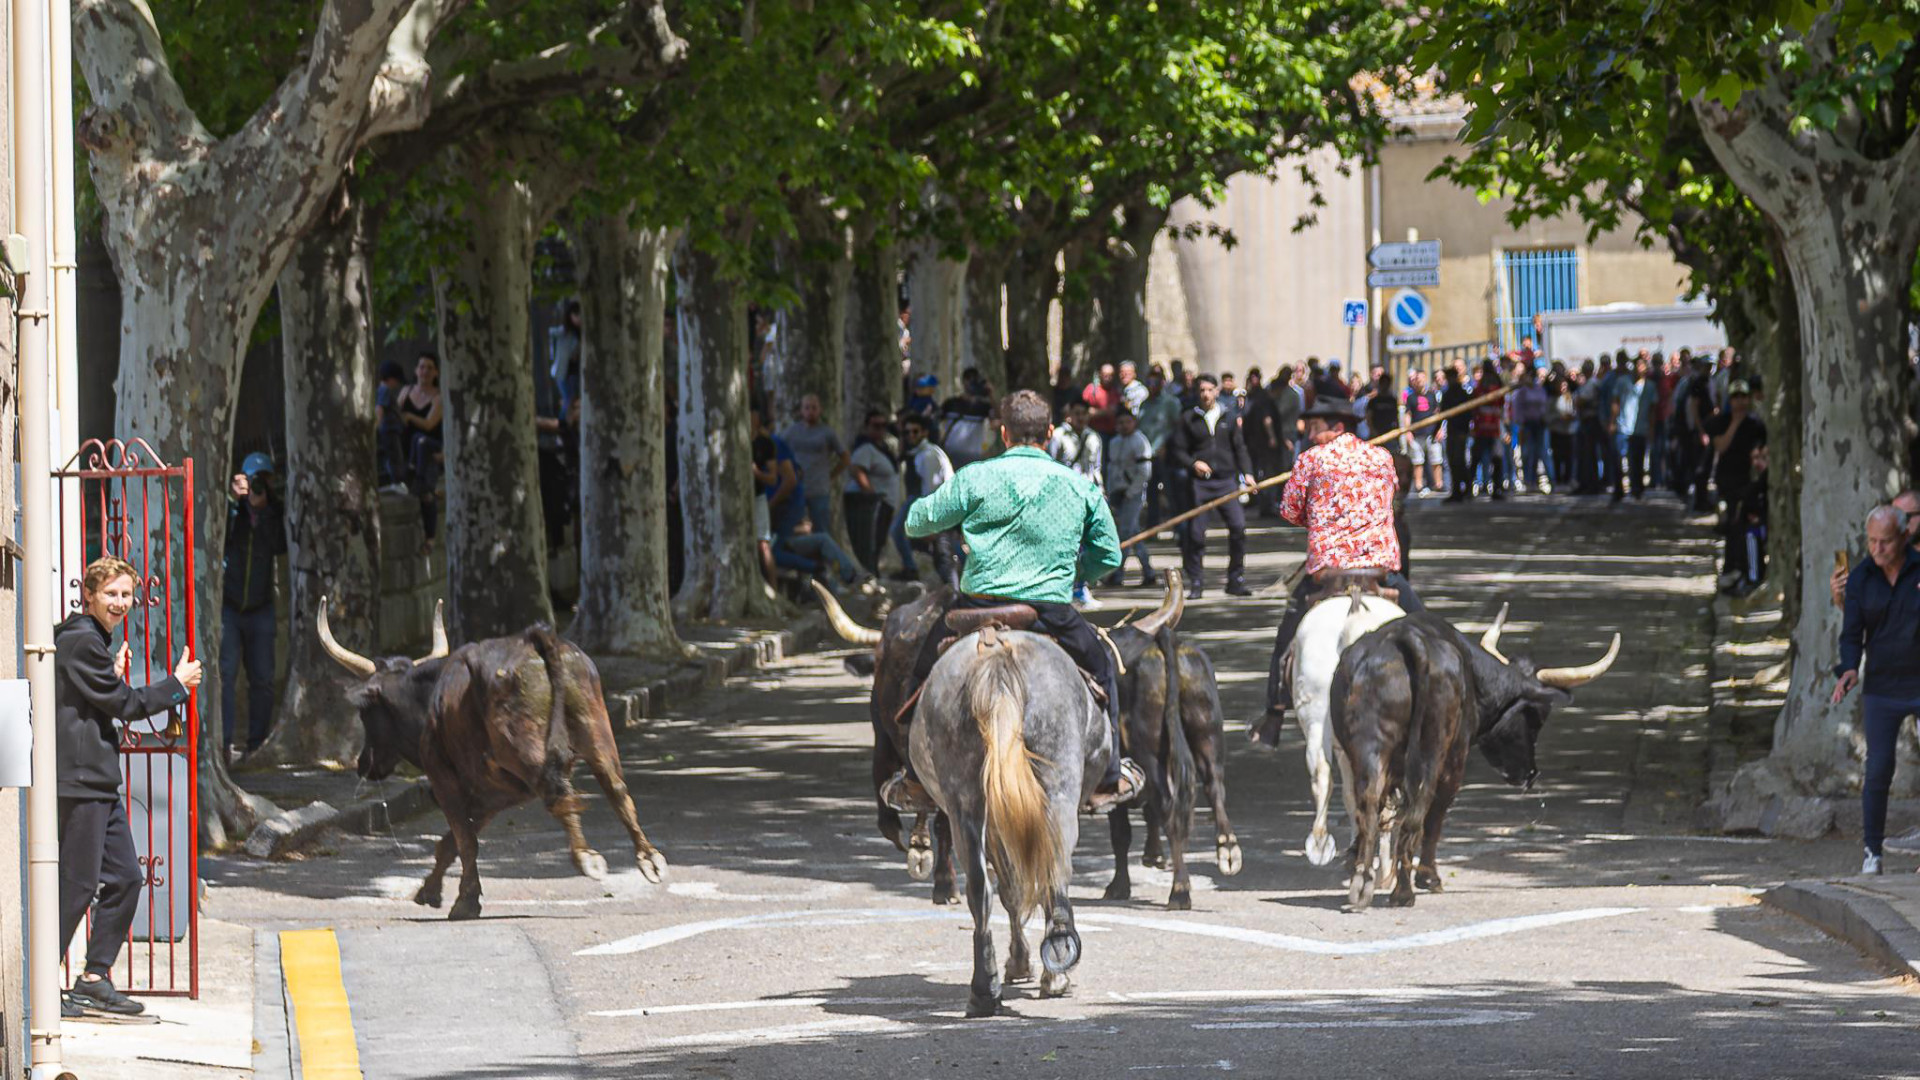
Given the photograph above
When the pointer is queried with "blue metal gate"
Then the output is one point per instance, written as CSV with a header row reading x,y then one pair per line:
x,y
1542,279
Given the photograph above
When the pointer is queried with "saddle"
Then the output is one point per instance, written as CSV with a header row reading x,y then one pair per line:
x,y
988,621
1367,581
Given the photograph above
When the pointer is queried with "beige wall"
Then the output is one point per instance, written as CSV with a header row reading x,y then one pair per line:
x,y
1275,297
1613,268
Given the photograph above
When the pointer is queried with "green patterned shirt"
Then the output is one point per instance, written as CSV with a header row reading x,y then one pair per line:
x,y
1032,525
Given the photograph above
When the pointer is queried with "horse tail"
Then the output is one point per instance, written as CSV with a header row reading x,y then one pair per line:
x,y
559,755
1021,836
1174,748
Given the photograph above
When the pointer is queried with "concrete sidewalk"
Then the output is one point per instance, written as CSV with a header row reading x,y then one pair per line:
x,y
178,1039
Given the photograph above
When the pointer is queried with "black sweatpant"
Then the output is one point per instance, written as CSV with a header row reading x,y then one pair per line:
x,y
1070,630
1233,515
98,869
1459,479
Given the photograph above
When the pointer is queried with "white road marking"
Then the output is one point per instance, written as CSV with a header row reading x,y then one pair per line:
x,y
710,890
668,935
761,1003
1223,1065
1459,1018
1376,993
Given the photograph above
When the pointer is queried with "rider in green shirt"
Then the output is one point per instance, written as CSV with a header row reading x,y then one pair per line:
x,y
1033,527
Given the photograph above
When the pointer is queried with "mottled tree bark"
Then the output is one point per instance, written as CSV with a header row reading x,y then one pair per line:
x,y
936,287
333,504
1105,311
873,336
985,344
496,541
722,582
625,604
1033,282
1848,229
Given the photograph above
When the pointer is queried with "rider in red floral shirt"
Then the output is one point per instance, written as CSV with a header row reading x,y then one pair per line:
x,y
1342,492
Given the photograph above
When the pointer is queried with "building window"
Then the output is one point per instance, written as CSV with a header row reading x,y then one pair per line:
x,y
1541,279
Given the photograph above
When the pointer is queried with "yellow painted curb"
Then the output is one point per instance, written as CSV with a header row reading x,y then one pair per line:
x,y
310,962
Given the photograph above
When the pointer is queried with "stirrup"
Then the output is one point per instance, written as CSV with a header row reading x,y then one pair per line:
x,y
1133,780
904,794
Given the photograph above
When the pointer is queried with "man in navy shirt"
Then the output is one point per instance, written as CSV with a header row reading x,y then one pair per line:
x,y
1882,614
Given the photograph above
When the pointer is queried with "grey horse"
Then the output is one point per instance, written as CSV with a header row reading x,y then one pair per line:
x,y
1009,742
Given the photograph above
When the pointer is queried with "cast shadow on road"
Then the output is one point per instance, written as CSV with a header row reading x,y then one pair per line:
x,y
1808,1014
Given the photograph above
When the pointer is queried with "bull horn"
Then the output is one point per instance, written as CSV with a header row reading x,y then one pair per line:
x,y
1490,640
843,623
1170,609
439,632
352,661
1566,678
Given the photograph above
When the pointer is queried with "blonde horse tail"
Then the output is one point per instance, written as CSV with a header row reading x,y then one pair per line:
x,y
1022,839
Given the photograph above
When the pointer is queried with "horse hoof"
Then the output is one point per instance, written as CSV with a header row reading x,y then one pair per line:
x,y
1320,850
1059,952
944,895
920,864
1118,890
1154,860
590,863
1180,900
1054,984
653,865
1019,971
1397,898
978,1006
464,908
427,897
1227,856
1428,879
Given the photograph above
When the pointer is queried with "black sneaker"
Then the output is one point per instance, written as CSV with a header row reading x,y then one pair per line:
x,y
1238,588
99,994
69,1010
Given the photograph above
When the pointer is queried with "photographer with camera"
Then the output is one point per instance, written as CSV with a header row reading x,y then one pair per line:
x,y
256,532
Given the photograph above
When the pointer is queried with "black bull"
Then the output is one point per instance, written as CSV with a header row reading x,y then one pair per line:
x,y
1148,714
1407,701
492,724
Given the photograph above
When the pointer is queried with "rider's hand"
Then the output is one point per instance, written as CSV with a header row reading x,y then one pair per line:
x,y
187,670
1202,470
1846,684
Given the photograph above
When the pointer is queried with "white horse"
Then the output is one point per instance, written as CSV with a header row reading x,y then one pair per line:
x,y
1325,632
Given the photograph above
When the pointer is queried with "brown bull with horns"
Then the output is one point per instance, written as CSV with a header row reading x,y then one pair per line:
x,y
492,724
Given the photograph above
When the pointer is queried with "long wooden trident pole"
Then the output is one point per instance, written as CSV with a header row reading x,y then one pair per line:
x,y
1478,401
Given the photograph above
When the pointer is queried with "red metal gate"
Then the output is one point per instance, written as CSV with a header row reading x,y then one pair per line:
x,y
119,498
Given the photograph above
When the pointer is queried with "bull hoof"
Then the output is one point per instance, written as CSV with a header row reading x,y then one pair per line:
x,y
428,896
1401,897
1019,969
590,863
1118,889
1428,879
1054,984
920,863
1320,849
1154,859
652,864
1227,856
467,907
943,894
1059,952
981,1005
1180,899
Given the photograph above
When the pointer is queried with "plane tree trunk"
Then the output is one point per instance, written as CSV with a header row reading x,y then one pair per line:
x,y
873,335
333,502
625,603
722,581
1033,281
1848,228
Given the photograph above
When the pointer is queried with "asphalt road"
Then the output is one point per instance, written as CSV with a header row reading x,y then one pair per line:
x,y
1581,932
